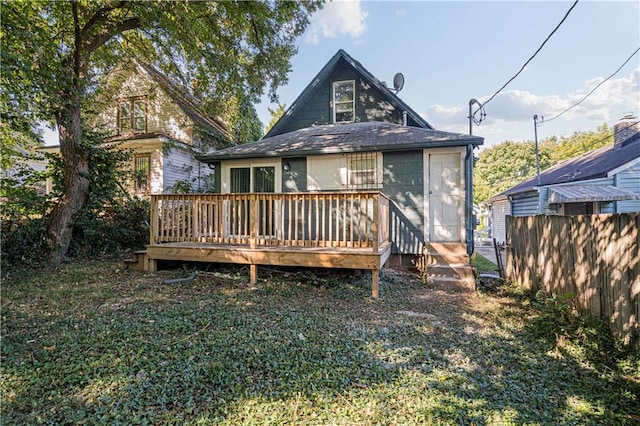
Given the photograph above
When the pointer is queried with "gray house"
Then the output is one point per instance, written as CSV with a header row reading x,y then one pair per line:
x,y
605,180
348,132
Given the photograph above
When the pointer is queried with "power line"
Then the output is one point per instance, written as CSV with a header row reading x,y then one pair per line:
x,y
529,60
595,88
587,149
615,132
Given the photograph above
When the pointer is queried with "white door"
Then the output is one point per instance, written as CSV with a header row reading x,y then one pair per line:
x,y
443,196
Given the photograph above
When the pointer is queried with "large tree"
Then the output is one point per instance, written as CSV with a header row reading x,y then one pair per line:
x,y
54,54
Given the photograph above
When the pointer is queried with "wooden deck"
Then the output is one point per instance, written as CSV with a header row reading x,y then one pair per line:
x,y
327,230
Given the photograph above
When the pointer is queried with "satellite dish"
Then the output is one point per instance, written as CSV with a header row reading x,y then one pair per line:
x,y
398,82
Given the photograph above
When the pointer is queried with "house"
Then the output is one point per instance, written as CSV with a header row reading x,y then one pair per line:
x,y
163,125
605,180
347,131
349,177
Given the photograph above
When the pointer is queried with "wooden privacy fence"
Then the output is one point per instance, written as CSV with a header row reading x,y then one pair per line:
x,y
595,257
345,219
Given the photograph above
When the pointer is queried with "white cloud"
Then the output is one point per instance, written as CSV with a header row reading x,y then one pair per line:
x,y
337,18
520,105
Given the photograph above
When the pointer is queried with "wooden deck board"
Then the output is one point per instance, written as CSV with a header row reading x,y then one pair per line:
x,y
324,257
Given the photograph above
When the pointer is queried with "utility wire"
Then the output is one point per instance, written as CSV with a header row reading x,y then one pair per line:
x,y
594,89
612,134
587,149
529,60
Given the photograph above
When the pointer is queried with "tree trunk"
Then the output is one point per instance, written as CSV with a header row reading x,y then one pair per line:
x,y
75,185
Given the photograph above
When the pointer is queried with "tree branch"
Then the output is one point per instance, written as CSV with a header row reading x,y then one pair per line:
x,y
99,17
93,43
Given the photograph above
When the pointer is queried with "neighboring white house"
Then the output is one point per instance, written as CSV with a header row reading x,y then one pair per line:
x,y
605,180
162,124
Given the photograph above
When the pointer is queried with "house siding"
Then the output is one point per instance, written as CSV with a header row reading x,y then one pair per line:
x,y
163,114
295,179
525,206
370,104
629,179
180,165
403,183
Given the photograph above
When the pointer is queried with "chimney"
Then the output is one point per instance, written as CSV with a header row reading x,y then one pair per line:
x,y
627,127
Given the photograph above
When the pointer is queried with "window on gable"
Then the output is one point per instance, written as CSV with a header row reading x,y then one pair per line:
x,y
344,101
363,170
132,116
142,173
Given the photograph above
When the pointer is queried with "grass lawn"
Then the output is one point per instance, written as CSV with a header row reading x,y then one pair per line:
x,y
94,343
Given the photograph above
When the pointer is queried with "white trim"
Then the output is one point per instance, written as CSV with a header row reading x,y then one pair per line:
x,y
225,184
623,167
333,100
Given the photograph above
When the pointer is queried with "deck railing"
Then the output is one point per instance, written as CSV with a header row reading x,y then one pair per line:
x,y
318,219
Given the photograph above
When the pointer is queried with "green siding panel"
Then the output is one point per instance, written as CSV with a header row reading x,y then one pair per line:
x,y
370,104
294,179
403,183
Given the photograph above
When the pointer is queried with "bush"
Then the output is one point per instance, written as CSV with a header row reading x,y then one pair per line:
x,y
584,336
115,228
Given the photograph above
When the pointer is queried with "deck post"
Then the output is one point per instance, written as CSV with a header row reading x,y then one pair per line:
x,y
254,221
151,265
253,274
374,282
153,218
374,224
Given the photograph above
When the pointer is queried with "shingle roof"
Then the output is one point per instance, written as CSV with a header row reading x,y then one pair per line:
x,y
592,165
338,138
188,103
323,76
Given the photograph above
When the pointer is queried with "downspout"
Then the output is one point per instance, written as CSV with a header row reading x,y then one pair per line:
x,y
469,199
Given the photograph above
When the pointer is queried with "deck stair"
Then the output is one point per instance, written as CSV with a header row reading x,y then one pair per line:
x,y
137,260
448,264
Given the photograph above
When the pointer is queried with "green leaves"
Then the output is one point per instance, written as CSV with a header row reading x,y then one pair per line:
x,y
508,163
93,343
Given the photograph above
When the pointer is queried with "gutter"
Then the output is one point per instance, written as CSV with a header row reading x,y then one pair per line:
x,y
469,199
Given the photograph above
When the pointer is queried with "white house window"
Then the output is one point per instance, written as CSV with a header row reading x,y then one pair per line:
x,y
132,116
362,170
344,104
142,172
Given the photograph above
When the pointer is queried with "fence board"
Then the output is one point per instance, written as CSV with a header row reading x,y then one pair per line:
x,y
595,257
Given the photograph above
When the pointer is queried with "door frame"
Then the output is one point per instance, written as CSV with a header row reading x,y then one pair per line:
x,y
428,226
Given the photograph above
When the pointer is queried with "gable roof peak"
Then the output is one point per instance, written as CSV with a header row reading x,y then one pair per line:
x,y
323,77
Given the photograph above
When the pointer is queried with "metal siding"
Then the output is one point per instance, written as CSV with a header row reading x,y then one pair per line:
x,y
526,206
295,180
629,179
403,183
607,207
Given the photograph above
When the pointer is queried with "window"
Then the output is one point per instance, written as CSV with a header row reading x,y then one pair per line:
x,y
240,180
362,171
344,104
142,172
132,116
263,179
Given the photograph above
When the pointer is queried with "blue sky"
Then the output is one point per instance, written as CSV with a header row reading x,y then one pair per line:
x,y
451,52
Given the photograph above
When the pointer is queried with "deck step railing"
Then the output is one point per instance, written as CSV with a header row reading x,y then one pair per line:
x,y
319,219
